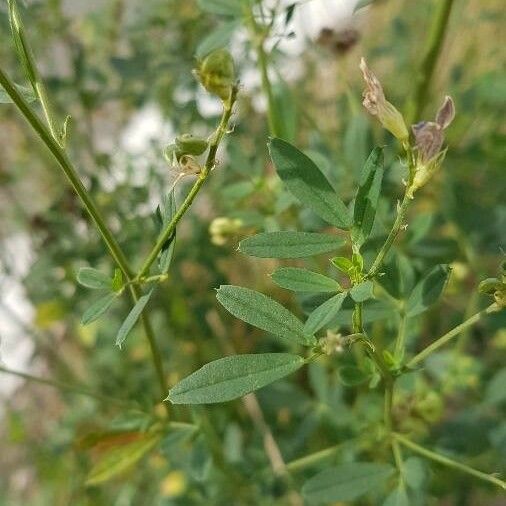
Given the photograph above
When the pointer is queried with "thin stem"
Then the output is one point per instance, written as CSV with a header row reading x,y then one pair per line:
x,y
69,171
259,35
65,386
313,458
450,335
446,461
401,336
396,227
88,203
208,166
433,49
26,56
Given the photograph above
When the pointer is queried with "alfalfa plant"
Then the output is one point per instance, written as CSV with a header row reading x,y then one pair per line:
x,y
331,329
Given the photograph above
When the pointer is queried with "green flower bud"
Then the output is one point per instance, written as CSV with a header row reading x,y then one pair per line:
x,y
172,154
217,73
489,286
191,145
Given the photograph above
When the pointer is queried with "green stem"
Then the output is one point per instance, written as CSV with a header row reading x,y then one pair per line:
x,y
450,335
433,49
401,336
208,166
259,35
448,462
65,386
69,171
88,203
26,56
396,227
313,458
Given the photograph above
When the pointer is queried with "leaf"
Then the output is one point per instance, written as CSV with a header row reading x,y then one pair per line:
x,y
217,39
98,308
119,459
94,279
398,497
428,290
346,482
496,391
165,212
361,4
302,280
25,91
232,377
343,264
117,280
132,318
362,291
261,311
415,473
325,313
351,375
289,244
306,182
366,200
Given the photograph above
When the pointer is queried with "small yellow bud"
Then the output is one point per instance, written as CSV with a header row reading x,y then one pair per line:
x,y
377,105
217,73
223,228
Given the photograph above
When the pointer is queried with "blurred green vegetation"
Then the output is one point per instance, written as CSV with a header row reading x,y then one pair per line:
x,y
104,62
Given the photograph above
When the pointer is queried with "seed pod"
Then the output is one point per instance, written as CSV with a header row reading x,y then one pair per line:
x,y
217,73
191,145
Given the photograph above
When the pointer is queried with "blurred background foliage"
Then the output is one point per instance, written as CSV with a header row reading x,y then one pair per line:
x,y
122,69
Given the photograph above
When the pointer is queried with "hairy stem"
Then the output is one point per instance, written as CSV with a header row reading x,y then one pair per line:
x,y
433,49
446,461
208,166
450,335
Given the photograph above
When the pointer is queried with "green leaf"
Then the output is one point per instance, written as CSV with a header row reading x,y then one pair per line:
x,y
306,182
428,290
496,391
361,4
324,314
121,458
261,311
117,280
98,308
363,291
132,318
289,244
302,280
351,375
25,91
343,264
232,377
92,278
346,482
222,7
366,201
165,212
398,497
217,39
415,473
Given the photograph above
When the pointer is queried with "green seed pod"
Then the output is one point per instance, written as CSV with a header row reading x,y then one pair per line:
x,y
489,286
217,73
191,145
172,153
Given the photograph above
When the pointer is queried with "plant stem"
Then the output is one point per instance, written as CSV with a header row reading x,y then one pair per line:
x,y
450,335
396,227
208,166
259,35
313,458
448,462
90,206
69,171
65,386
26,56
401,335
433,49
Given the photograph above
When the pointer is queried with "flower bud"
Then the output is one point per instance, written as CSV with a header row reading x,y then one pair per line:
x,y
217,73
377,105
222,228
191,145
172,154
